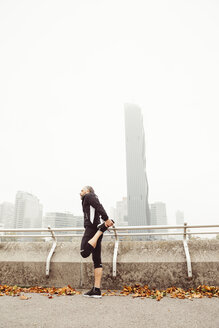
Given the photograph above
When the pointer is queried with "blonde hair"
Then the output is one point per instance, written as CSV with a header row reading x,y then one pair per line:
x,y
90,189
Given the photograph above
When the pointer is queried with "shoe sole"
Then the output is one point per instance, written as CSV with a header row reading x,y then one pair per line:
x,y
94,296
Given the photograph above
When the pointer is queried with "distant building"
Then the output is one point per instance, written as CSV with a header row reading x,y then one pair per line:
x,y
28,211
119,213
79,221
112,212
179,218
122,209
59,220
7,214
158,217
1,233
137,185
158,213
179,221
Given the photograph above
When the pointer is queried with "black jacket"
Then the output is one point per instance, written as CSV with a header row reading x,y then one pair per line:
x,y
92,210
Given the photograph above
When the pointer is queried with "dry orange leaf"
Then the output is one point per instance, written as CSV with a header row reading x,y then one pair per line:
x,y
23,297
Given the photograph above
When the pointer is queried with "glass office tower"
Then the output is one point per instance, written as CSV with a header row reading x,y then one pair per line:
x,y
137,185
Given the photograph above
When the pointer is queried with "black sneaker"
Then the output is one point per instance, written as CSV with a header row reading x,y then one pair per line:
x,y
102,226
96,293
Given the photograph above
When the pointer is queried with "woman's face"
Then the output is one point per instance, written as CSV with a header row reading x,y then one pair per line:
x,y
84,191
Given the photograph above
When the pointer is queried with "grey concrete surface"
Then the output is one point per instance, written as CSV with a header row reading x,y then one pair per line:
x,y
159,264
111,311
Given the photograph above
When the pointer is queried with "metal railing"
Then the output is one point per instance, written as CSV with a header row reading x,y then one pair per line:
x,y
185,233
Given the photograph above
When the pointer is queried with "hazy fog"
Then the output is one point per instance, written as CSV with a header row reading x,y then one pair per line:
x,y
66,70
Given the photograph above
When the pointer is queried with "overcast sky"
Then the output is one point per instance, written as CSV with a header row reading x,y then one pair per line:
x,y
66,70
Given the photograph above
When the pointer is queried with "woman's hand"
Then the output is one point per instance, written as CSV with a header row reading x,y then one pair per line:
x,y
108,223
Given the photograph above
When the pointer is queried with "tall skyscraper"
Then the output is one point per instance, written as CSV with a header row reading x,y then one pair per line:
x,y
137,185
28,211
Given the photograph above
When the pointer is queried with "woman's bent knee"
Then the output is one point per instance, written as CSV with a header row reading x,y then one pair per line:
x,y
84,253
86,250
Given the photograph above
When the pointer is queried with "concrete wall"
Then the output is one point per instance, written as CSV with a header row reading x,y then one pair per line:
x,y
159,264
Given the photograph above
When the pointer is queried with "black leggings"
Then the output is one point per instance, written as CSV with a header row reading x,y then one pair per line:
x,y
87,249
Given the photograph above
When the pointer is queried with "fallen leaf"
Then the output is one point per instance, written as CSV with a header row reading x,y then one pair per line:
x,y
23,297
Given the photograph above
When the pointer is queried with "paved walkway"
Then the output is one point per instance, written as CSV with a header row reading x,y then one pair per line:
x,y
110,311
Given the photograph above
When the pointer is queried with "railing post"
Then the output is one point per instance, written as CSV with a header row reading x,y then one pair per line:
x,y
186,248
51,251
115,251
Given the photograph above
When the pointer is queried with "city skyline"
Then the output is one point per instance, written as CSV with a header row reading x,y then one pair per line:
x,y
8,211
62,103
